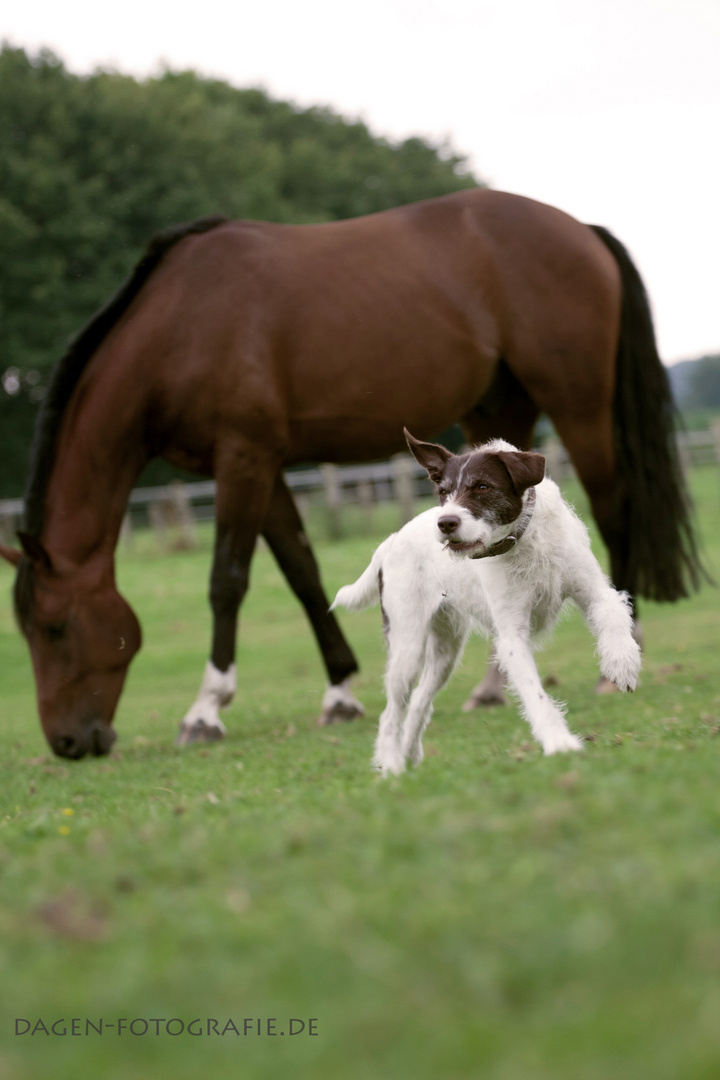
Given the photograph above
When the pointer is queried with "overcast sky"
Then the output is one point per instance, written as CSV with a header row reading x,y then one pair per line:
x,y
609,109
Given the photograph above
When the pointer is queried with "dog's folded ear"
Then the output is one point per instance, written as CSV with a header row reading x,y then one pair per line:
x,y
525,468
432,457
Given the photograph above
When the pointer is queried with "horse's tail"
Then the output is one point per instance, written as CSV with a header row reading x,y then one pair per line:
x,y
662,558
365,592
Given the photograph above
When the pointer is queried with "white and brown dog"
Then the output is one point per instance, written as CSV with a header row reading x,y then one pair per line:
x,y
501,555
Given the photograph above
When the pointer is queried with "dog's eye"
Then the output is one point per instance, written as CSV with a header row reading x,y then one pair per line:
x,y
481,487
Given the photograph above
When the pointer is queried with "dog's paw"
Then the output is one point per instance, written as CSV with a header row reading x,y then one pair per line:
x,y
624,681
560,742
415,753
622,667
388,762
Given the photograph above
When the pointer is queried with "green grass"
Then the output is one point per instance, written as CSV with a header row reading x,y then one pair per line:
x,y
493,914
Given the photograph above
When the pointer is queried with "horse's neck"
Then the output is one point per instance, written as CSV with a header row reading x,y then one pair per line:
x,y
99,457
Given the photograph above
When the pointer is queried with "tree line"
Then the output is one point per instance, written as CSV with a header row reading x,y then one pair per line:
x,y
92,166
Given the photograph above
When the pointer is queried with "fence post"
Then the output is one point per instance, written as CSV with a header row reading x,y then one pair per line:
x,y
684,453
365,499
183,510
126,530
404,486
716,438
554,465
333,499
7,529
156,514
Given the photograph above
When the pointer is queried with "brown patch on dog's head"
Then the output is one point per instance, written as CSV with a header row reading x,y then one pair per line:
x,y
488,483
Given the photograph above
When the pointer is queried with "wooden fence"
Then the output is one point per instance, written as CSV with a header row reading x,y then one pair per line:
x,y
174,510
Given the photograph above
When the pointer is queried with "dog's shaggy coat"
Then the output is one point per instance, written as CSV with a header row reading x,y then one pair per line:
x,y
501,555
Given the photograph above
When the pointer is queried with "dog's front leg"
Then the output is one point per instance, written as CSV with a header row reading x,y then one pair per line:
x,y
609,616
540,710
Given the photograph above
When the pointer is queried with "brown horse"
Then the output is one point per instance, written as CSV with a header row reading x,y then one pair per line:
x,y
239,348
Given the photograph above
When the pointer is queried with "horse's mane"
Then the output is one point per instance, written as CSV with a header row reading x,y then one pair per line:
x,y
67,371
63,380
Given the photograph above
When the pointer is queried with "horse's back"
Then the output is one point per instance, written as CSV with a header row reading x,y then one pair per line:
x,y
326,338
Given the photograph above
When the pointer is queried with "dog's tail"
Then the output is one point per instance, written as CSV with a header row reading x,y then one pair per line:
x,y
365,592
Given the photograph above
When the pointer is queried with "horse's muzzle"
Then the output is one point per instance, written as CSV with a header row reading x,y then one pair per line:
x,y
96,738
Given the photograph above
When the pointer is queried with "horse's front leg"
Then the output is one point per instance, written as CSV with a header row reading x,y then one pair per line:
x,y
244,490
288,542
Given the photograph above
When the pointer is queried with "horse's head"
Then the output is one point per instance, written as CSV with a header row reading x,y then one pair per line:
x,y
82,637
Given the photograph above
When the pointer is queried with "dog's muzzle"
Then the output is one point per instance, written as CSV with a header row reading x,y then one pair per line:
x,y
449,523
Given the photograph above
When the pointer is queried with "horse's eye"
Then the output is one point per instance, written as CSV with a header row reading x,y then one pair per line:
x,y
55,631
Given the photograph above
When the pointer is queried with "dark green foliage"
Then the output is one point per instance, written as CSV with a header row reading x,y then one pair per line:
x,y
91,167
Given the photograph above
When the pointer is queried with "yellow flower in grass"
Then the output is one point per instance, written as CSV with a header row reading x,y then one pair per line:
x,y
68,811
64,830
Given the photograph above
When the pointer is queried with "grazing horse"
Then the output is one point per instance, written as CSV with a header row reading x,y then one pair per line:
x,y
237,349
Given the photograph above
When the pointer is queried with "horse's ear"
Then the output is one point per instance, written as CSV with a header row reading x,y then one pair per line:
x,y
526,468
34,550
11,555
432,457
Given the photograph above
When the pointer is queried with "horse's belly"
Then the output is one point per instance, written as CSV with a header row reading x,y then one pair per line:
x,y
359,409
358,438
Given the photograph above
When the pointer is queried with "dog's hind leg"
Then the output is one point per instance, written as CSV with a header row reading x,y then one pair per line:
x,y
406,647
540,710
445,645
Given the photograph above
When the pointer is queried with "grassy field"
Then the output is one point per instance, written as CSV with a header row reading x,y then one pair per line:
x,y
493,914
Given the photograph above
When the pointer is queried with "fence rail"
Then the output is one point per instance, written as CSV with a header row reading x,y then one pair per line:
x,y
173,509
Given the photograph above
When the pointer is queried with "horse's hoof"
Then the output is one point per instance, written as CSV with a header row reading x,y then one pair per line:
x,y
339,705
199,731
340,712
484,701
606,686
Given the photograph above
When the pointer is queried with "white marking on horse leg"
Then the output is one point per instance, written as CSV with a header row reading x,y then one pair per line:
x,y
339,704
202,722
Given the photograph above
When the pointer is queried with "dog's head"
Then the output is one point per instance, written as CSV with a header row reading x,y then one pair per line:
x,y
481,492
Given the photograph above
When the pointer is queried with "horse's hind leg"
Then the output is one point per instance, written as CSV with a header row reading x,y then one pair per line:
x,y
245,481
288,542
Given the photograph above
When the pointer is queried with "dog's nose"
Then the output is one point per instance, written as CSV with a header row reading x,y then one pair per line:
x,y
449,524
